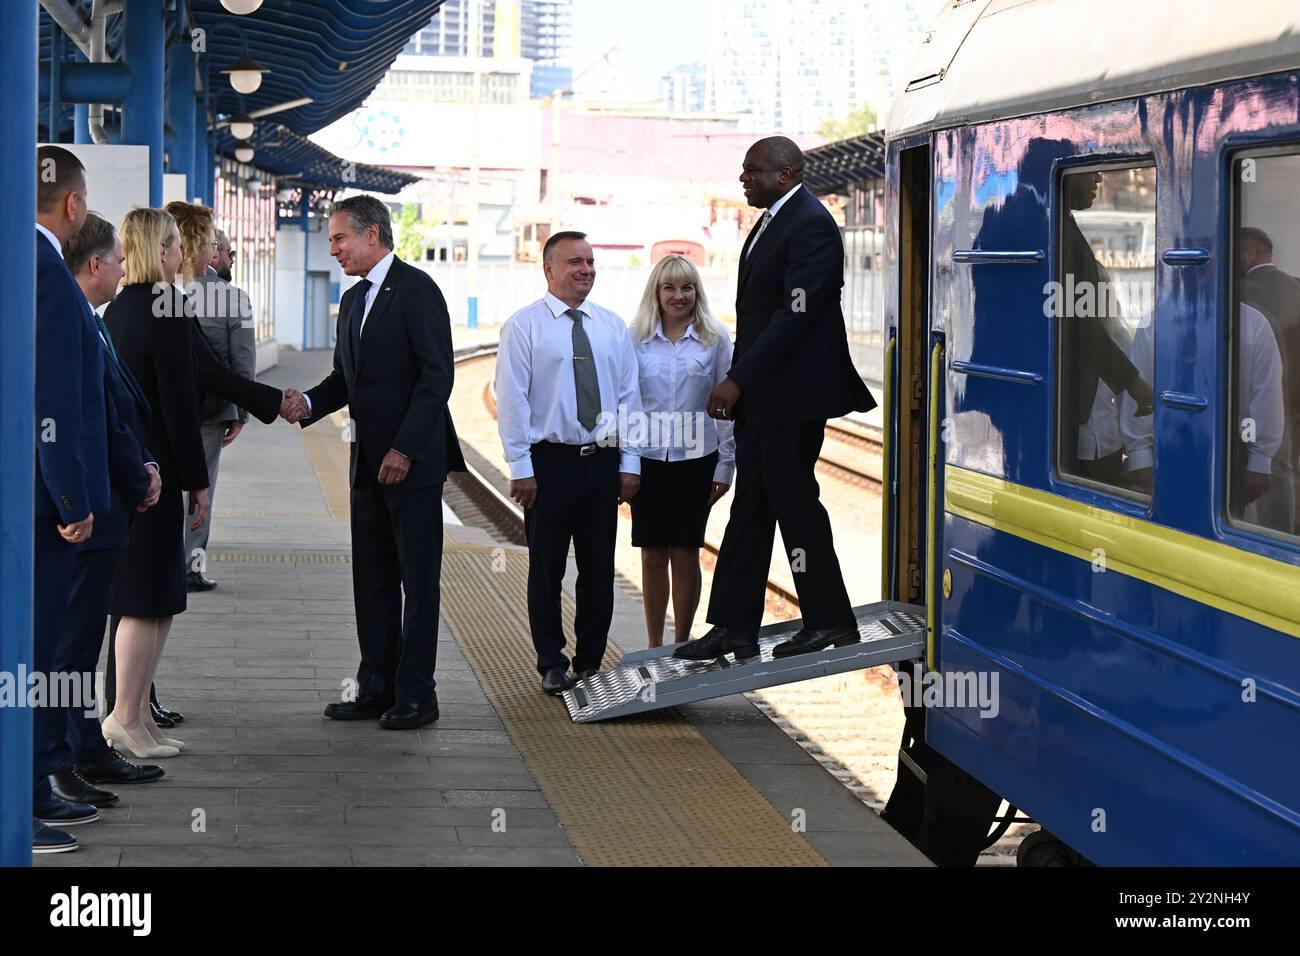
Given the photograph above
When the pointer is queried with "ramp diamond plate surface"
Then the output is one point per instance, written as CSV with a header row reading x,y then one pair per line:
x,y
889,632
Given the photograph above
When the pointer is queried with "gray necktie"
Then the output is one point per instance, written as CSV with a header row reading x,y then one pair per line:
x,y
762,225
585,385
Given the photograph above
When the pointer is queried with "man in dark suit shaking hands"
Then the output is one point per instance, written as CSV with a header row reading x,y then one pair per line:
x,y
790,373
393,369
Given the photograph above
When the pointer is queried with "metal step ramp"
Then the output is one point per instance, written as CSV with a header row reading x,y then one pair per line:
x,y
653,679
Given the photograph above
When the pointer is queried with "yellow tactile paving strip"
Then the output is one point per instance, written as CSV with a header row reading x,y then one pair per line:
x,y
328,452
645,791
648,791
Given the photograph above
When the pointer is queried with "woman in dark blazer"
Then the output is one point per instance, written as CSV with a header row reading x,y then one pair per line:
x,y
153,337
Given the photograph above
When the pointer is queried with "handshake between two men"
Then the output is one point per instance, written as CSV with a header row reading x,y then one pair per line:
x,y
295,408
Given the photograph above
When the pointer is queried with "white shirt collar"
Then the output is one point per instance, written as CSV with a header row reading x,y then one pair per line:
x,y
689,333
54,240
379,272
776,206
558,308
1260,266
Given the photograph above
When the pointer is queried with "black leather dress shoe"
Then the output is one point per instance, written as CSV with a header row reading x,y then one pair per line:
x,y
116,769
175,716
720,641
410,716
60,813
806,640
160,717
556,680
71,786
158,710
195,581
363,708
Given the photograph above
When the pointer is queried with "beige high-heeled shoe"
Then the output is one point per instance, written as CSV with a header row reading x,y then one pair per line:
x,y
161,740
119,739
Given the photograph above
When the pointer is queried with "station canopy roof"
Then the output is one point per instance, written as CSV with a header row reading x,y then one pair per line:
x,y
282,152
331,51
831,168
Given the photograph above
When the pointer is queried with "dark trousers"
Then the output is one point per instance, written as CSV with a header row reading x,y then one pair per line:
x,y
1108,470
396,551
53,565
577,500
776,484
74,736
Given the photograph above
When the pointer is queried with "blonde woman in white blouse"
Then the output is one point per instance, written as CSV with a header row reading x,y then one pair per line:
x,y
687,458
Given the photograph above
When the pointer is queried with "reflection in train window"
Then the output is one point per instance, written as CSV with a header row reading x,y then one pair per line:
x,y
1103,301
1265,337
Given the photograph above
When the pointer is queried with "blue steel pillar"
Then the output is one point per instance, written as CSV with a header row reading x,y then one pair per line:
x,y
202,141
81,116
180,113
18,42
306,266
55,116
142,113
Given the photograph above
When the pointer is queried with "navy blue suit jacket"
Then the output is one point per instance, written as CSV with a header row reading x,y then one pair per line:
x,y
792,357
397,387
71,445
128,418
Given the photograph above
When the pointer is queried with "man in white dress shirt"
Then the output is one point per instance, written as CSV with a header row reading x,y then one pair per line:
x,y
565,369
1259,411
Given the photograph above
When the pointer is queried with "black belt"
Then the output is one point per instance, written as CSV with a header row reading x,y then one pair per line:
x,y
583,451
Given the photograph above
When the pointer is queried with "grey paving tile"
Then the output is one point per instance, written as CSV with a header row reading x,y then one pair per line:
x,y
313,856
332,797
363,761
439,780
471,817
512,836
87,854
865,849
464,856
474,797
162,833
243,814
353,836
172,791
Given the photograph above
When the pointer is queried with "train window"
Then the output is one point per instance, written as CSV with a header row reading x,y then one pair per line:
x,y
1104,303
1265,342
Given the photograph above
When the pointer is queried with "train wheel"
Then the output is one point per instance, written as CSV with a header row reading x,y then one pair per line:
x,y
1042,849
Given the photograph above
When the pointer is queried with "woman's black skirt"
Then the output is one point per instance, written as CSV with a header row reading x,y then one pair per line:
x,y
672,506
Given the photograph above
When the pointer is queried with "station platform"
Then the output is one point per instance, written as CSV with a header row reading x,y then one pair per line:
x,y
505,777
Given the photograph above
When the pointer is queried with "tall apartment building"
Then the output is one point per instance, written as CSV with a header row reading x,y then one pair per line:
x,y
791,66
537,30
685,89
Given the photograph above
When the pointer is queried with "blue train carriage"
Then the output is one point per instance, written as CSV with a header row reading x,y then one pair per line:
x,y
1093,364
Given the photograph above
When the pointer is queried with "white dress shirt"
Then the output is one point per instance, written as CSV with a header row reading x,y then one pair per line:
x,y
1259,393
676,379
536,397
1099,436
376,276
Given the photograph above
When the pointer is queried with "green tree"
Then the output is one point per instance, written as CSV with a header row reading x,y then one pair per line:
x,y
411,235
861,120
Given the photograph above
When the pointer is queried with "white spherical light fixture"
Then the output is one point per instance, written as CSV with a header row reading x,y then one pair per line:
x,y
244,154
245,74
241,126
241,7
